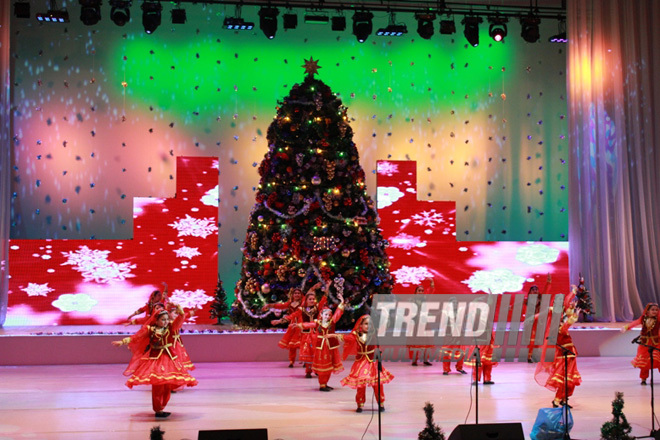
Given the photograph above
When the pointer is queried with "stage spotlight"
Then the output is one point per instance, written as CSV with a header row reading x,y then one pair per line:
x,y
447,27
178,16
237,24
560,37
53,16
497,29
290,21
392,29
316,19
151,15
120,14
22,10
362,25
471,30
530,28
90,11
425,24
268,21
339,23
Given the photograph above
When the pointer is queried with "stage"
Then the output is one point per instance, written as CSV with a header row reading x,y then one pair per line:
x,y
89,400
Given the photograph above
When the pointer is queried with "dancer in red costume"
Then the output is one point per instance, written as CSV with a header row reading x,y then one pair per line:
x,y
456,352
157,298
649,335
537,307
291,339
306,314
327,359
551,374
364,372
159,358
414,351
486,363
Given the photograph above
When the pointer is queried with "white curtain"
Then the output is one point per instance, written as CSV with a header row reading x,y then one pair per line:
x,y
5,155
614,205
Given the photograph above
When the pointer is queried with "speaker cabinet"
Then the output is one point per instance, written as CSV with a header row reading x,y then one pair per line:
x,y
234,434
488,431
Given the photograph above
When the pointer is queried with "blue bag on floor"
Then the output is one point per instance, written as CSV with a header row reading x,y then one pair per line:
x,y
549,424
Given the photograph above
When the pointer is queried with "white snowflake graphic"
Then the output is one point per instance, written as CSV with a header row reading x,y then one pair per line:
x,y
428,218
95,266
190,299
537,254
411,275
75,302
406,241
34,289
387,168
387,195
195,227
495,281
187,252
211,197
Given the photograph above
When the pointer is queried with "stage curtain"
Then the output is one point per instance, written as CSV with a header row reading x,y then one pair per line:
x,y
5,155
614,203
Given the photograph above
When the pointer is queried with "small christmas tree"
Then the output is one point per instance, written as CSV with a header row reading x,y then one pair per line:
x,y
313,219
584,302
219,307
432,431
618,428
156,433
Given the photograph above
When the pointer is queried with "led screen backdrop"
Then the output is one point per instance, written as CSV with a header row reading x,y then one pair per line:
x,y
100,114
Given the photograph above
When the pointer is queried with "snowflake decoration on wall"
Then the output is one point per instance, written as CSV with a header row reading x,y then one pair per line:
x,y
94,265
387,195
406,241
411,275
428,218
537,254
495,281
75,302
195,227
187,252
212,197
190,299
387,168
34,289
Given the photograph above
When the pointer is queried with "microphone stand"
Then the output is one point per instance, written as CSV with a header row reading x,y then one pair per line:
x,y
477,364
380,368
565,352
654,434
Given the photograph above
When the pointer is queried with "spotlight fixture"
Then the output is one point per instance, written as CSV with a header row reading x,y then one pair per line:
x,y
120,12
530,28
497,29
90,12
22,10
53,15
362,25
471,31
392,29
151,17
316,19
237,24
561,36
425,24
339,23
289,21
178,16
447,27
268,21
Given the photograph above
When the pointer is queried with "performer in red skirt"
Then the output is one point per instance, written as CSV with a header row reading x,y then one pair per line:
x,y
157,298
159,358
421,352
308,314
327,359
291,339
552,374
650,335
364,372
486,362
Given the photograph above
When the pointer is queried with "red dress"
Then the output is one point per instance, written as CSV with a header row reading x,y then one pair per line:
x,y
649,335
551,375
364,372
293,335
327,358
159,357
306,315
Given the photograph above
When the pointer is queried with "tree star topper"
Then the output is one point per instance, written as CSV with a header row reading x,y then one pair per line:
x,y
311,66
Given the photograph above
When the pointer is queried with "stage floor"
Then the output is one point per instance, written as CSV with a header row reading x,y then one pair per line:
x,y
90,402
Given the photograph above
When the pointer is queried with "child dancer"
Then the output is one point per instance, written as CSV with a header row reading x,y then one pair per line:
x,y
552,375
155,299
291,339
448,353
157,358
327,359
364,371
485,367
650,335
424,350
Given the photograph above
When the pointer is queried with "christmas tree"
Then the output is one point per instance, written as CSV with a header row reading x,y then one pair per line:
x,y
584,302
618,428
313,219
431,431
219,307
